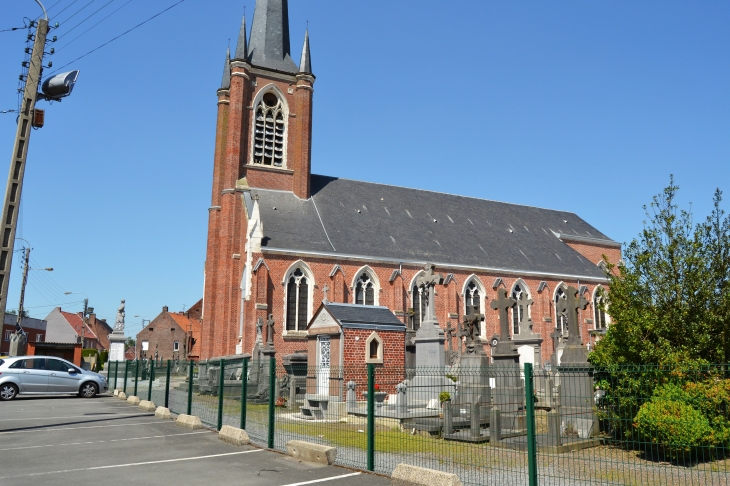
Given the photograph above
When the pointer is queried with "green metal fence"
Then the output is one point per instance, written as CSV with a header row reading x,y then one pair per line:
x,y
575,425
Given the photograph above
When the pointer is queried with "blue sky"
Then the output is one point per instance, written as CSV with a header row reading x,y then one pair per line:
x,y
580,106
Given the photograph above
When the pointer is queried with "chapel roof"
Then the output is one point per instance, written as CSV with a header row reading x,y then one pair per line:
x,y
363,314
366,220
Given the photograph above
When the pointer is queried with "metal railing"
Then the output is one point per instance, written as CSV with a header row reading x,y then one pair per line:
x,y
489,425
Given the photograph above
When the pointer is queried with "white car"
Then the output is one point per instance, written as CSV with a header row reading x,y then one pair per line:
x,y
47,375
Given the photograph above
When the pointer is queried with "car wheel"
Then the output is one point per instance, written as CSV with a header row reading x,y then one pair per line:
x,y
88,390
8,391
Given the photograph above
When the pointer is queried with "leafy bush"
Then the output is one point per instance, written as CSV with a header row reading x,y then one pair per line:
x,y
675,427
444,396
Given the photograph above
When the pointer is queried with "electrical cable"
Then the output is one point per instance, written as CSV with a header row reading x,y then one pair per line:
x,y
87,18
76,13
9,111
59,13
12,28
120,35
84,32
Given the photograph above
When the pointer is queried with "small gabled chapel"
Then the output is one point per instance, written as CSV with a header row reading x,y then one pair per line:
x,y
283,241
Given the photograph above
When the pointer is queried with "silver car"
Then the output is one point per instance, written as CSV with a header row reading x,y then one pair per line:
x,y
47,375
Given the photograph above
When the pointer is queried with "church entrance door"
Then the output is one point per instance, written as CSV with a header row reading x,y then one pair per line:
x,y
323,365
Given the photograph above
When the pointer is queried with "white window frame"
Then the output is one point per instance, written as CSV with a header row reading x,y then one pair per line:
x,y
373,279
145,345
594,303
301,325
527,312
39,338
270,88
176,346
8,335
482,300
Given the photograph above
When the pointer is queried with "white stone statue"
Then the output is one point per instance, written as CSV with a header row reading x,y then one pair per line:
x,y
119,325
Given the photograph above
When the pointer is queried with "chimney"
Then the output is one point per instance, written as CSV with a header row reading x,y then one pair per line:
x,y
164,308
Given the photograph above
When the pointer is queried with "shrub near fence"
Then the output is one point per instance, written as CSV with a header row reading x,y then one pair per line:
x,y
652,425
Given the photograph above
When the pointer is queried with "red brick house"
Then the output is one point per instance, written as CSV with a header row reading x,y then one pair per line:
x,y
281,240
170,335
34,328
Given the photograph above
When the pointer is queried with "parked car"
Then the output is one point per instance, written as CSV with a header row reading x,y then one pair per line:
x,y
47,375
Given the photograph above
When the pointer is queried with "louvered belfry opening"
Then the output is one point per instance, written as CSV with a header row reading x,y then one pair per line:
x,y
269,132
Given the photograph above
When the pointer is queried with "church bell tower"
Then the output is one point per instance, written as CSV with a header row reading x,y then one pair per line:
x,y
263,140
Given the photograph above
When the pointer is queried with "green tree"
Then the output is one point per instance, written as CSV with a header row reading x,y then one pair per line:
x,y
669,299
130,343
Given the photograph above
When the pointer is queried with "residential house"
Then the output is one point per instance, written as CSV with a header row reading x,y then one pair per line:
x,y
34,328
171,335
69,327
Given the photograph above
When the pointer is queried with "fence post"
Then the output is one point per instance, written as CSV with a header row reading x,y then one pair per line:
x,y
221,389
167,385
190,388
371,417
126,369
272,400
530,417
152,378
116,372
136,377
244,391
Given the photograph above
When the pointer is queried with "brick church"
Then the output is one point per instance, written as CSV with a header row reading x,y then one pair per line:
x,y
281,239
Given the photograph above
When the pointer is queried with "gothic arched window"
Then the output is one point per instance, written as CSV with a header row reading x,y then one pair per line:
x,y
519,310
269,131
365,290
561,318
419,306
297,301
599,309
473,299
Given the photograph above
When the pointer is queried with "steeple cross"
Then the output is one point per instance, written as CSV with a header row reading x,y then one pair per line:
x,y
503,303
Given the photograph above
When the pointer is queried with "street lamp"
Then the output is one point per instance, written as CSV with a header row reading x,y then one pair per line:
x,y
83,319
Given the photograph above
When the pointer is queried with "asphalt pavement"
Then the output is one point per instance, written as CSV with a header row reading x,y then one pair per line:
x,y
72,441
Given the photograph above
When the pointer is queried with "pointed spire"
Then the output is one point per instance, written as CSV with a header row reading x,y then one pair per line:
x,y
242,45
269,47
226,83
305,64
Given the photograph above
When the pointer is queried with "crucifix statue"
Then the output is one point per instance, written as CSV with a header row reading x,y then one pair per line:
x,y
325,289
259,330
449,332
270,331
470,329
429,280
570,306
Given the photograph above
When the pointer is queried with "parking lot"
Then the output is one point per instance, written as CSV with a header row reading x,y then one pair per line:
x,y
72,441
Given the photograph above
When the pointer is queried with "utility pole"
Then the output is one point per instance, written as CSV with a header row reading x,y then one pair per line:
x,y
9,221
18,327
83,322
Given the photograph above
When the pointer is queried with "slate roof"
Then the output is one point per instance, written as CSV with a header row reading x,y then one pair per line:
x,y
269,45
353,218
363,314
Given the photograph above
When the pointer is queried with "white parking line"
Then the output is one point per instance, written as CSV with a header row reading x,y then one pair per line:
x,y
103,441
51,429
138,414
194,458
324,479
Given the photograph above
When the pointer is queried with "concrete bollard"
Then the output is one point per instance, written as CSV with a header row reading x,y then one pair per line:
x,y
122,396
189,422
306,451
133,400
407,475
147,406
233,435
163,413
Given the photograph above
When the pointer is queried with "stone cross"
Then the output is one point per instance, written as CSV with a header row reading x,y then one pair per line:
x,y
326,299
449,331
503,303
270,331
570,306
471,327
429,280
525,302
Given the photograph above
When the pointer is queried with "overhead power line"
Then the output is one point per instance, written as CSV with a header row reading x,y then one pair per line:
x,y
120,35
87,30
87,18
77,12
